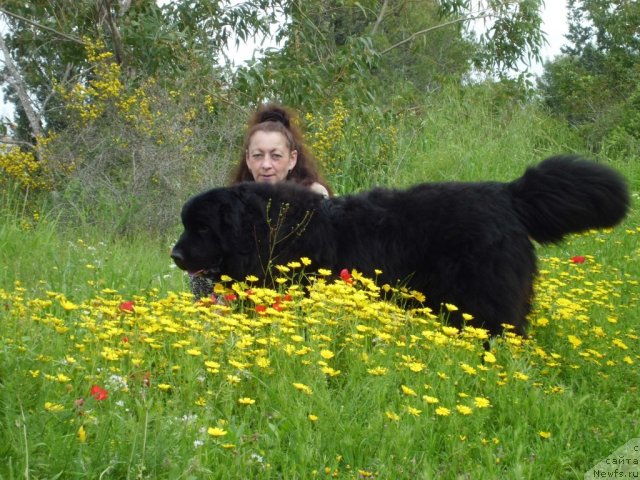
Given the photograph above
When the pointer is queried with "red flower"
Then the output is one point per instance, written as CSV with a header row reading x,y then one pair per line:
x,y
126,306
125,339
277,306
578,259
261,308
99,393
346,276
230,297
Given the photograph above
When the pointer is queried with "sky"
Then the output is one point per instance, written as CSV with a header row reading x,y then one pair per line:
x,y
554,26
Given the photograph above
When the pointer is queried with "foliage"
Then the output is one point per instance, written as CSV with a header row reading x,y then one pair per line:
x,y
332,139
595,85
146,41
129,156
379,51
21,166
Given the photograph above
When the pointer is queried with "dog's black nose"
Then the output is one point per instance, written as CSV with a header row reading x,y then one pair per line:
x,y
177,256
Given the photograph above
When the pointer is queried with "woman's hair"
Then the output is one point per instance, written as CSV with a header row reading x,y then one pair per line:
x,y
277,118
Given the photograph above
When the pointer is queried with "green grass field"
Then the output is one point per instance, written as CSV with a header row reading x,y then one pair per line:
x,y
108,369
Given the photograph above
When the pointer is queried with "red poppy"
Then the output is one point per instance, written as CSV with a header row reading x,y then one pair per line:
x,y
126,306
261,308
230,297
99,393
346,276
277,306
578,259
125,339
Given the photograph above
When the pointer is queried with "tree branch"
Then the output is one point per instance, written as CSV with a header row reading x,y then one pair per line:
x,y
380,17
41,27
13,141
430,29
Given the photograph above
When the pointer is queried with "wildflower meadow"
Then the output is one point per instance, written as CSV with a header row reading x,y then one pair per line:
x,y
333,377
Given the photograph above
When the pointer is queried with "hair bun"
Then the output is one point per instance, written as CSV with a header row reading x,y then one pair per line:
x,y
274,113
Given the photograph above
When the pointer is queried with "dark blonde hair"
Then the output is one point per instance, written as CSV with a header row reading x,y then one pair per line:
x,y
277,118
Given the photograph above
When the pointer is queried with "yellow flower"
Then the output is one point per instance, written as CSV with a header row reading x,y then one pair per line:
x,y
305,261
312,417
489,357
416,367
216,432
164,387
468,368
620,344
450,331
408,391
575,341
413,411
430,400
53,407
544,435
542,322
252,278
464,410
394,417
81,434
443,411
330,371
67,305
246,401
378,371
62,378
451,307
303,388
327,354
482,402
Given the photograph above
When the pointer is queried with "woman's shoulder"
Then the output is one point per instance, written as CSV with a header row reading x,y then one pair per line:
x,y
319,188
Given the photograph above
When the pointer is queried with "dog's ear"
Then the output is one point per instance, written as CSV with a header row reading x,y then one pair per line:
x,y
236,219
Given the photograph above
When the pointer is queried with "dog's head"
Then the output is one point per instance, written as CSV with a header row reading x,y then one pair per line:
x,y
215,232
239,230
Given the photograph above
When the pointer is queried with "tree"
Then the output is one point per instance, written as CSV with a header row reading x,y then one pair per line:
x,y
373,47
46,44
595,83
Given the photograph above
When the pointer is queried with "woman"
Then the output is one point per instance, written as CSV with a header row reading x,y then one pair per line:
x,y
274,151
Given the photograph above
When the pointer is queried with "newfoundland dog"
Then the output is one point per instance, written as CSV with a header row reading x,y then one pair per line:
x,y
469,244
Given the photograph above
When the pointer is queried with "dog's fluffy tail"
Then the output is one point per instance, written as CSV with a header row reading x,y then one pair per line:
x,y
567,194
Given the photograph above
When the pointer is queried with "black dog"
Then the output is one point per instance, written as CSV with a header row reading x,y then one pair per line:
x,y
468,244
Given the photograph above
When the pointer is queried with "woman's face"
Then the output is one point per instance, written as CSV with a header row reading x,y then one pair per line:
x,y
269,158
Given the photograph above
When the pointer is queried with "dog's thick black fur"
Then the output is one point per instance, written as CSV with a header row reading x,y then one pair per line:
x,y
468,244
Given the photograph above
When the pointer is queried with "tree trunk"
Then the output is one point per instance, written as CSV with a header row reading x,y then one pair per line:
x,y
19,84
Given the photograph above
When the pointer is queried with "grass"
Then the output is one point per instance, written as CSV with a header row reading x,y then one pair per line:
x,y
109,370
338,384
